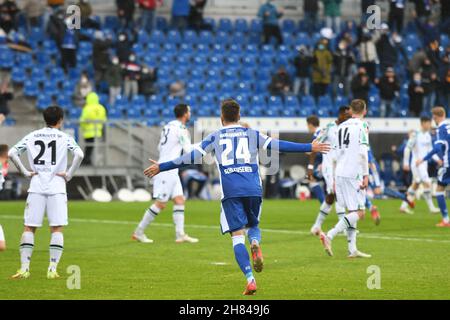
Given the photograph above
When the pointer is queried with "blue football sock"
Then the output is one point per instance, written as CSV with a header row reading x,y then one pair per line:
x,y
317,191
394,194
368,204
242,257
440,196
254,233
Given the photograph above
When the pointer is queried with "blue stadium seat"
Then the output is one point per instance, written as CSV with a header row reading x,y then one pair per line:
x,y
239,38
225,25
191,37
223,38
111,23
43,101
161,23
241,25
18,75
256,26
206,37
288,25
31,89
174,37
308,102
292,101
157,36
275,102
210,22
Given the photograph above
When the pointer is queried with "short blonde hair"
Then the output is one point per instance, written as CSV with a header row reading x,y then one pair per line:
x,y
438,112
358,106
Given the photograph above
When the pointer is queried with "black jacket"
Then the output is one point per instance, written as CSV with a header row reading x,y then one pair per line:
x,y
127,6
415,99
343,60
4,98
388,90
303,65
310,5
360,90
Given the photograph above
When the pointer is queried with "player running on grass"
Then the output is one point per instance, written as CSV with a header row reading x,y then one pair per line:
x,y
441,148
47,150
419,144
3,161
352,177
329,135
236,151
175,139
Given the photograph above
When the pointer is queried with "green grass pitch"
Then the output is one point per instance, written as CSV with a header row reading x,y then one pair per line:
x,y
412,254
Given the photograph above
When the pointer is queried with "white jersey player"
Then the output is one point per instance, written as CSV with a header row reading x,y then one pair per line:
x,y
419,145
175,139
352,176
3,160
329,135
47,151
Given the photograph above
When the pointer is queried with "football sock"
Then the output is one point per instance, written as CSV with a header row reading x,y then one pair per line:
x,y
325,209
254,233
26,249
440,196
348,221
149,215
428,199
242,257
411,193
368,204
178,220
56,249
2,234
394,194
317,191
351,239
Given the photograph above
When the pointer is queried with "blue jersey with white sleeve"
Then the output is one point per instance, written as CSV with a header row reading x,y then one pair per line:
x,y
235,149
441,145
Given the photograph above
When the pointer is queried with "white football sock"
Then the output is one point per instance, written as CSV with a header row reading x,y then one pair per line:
x,y
325,209
351,238
2,234
149,215
178,220
428,199
349,220
56,249
411,194
26,249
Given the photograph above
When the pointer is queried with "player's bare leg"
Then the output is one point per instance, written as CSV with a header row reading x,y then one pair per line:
x,y
178,220
149,215
2,239
56,250
325,209
26,251
243,260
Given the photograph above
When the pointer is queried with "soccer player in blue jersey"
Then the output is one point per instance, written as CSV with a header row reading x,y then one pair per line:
x,y
314,176
236,152
442,149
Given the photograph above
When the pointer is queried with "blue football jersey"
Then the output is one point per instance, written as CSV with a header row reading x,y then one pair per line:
x,y
443,138
235,150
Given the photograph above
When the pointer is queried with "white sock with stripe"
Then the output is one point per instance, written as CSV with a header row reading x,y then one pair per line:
x,y
346,222
178,220
325,209
56,250
149,215
26,249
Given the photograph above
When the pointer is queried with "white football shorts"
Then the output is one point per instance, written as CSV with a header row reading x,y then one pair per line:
x,y
167,185
420,173
54,205
349,194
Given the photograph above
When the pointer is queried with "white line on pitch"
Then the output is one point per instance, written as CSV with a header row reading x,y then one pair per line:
x,y
197,226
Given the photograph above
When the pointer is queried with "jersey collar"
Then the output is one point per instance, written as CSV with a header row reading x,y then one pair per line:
x,y
232,126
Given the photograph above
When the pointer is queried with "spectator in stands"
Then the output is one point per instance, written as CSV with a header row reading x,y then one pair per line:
x,y
86,11
364,5
148,8
343,60
396,15
55,25
390,49
445,90
389,87
281,83
332,12
368,57
132,72
195,20
310,10
416,61
5,96
428,30
69,47
180,14
269,14
445,17
125,12
430,85
8,12
55,4
100,55
33,11
177,89
303,63
361,85
422,9
147,81
83,88
433,53
123,47
113,76
416,92
321,71
91,124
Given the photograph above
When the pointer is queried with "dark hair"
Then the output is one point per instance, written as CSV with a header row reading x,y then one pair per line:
x,y
180,110
313,120
231,110
52,115
358,106
343,109
425,119
3,150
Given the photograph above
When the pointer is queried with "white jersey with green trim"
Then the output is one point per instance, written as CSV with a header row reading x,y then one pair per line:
x,y
47,151
329,135
352,141
175,138
420,143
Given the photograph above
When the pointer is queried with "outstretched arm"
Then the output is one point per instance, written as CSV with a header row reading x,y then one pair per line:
x,y
438,148
287,146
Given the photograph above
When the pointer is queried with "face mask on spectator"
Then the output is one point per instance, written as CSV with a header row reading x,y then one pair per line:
x,y
115,61
132,58
321,47
122,37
